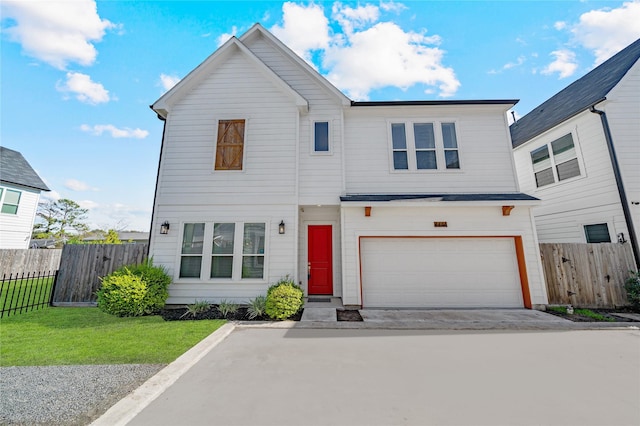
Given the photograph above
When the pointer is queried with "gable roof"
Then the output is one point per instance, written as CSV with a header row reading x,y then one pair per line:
x,y
259,29
163,105
15,169
577,97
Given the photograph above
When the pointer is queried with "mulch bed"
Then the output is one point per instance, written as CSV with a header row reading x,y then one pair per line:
x,y
607,313
181,314
348,315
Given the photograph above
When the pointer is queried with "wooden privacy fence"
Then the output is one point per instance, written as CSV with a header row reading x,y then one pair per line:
x,y
587,275
82,266
17,261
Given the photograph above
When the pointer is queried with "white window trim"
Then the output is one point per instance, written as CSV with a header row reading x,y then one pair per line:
x,y
576,145
244,147
3,195
411,145
207,248
613,238
312,136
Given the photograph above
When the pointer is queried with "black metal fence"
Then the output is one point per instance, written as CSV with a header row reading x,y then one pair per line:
x,y
26,292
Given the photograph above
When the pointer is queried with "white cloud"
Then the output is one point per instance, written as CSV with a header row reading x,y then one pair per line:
x,y
350,18
565,64
369,53
84,88
392,6
560,25
51,195
88,204
223,38
607,31
56,32
305,28
115,132
168,81
76,185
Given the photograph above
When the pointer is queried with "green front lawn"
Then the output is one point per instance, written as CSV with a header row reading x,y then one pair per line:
x,y
77,336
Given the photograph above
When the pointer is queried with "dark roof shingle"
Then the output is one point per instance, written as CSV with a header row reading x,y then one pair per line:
x,y
575,98
15,169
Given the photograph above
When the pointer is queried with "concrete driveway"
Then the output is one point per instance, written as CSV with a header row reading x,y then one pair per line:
x,y
274,376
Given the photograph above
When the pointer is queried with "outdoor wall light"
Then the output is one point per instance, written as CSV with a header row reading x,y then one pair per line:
x,y
281,227
164,228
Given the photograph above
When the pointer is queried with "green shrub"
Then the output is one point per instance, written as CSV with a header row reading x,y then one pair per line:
x,y
284,299
134,290
123,294
225,307
256,307
632,286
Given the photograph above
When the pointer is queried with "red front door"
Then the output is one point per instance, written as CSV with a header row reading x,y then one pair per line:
x,y
320,266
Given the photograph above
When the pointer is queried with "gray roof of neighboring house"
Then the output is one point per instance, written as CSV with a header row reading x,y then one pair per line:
x,y
577,97
439,197
15,169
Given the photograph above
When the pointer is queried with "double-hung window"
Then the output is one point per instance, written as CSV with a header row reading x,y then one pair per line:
x,y
9,200
424,146
555,162
237,250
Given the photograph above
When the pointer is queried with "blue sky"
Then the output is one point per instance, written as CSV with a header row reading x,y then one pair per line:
x,y
78,76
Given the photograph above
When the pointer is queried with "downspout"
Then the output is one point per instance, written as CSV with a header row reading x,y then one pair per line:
x,y
619,183
155,193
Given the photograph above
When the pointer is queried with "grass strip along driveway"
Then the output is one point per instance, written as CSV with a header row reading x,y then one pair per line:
x,y
82,336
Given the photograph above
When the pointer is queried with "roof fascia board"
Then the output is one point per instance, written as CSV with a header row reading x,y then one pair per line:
x,y
439,204
344,100
509,102
163,105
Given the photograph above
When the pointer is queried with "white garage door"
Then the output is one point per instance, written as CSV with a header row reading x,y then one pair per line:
x,y
440,272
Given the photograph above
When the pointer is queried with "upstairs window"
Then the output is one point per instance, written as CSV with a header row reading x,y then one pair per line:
x,y
555,162
230,145
321,136
418,146
9,200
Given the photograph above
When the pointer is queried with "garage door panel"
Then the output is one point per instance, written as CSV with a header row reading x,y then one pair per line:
x,y
440,272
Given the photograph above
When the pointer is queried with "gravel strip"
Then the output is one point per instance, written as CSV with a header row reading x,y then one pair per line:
x,y
66,395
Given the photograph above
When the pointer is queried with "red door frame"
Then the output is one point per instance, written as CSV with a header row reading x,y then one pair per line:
x,y
519,248
320,259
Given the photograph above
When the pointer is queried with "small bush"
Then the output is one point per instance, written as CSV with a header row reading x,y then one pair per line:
x,y
284,299
134,290
257,307
632,286
123,294
227,308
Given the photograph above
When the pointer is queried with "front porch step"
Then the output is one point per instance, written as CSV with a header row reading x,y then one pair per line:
x,y
319,314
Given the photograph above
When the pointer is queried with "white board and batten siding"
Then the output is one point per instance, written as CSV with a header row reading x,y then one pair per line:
x,y
15,229
483,146
590,198
477,229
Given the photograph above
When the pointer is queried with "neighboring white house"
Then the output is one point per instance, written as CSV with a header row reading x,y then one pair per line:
x,y
579,152
20,188
267,170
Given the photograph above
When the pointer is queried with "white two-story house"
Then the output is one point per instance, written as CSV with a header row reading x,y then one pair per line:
x,y
20,188
267,170
579,153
